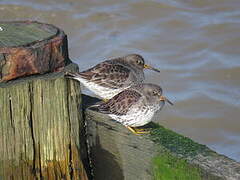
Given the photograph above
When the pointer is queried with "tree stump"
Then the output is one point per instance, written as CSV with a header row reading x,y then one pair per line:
x,y
31,48
116,153
41,124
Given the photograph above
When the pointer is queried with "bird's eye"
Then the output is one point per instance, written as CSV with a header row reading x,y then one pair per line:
x,y
138,61
155,93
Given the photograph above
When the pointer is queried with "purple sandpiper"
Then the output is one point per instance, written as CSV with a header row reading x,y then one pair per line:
x,y
112,76
135,106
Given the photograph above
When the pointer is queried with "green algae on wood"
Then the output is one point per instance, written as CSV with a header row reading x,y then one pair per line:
x,y
176,143
169,167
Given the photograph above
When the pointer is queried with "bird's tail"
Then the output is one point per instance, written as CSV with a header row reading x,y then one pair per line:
x,y
101,107
70,74
95,107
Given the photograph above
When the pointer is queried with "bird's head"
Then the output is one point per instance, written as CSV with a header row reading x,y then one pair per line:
x,y
138,62
153,93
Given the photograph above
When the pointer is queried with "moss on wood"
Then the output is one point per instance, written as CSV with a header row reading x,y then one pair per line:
x,y
176,143
169,167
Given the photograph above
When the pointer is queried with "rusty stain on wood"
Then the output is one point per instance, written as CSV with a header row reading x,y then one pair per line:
x,y
37,57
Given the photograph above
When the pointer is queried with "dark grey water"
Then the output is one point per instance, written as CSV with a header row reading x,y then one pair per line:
x,y
195,44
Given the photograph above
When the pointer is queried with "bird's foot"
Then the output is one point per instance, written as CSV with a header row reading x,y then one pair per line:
x,y
137,131
105,100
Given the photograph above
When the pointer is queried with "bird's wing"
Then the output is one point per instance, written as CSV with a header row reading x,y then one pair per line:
x,y
107,74
120,104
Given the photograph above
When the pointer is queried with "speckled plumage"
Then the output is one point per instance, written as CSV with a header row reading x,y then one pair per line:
x,y
112,76
134,106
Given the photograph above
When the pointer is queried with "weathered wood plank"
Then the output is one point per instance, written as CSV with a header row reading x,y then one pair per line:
x,y
116,153
31,48
42,129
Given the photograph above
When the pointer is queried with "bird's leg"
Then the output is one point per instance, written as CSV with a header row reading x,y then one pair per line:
x,y
131,129
137,131
141,131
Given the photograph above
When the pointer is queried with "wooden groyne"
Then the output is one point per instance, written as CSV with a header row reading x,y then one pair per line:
x,y
41,121
161,155
48,132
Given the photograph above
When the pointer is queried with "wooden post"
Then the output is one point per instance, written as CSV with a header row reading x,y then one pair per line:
x,y
118,154
31,48
41,124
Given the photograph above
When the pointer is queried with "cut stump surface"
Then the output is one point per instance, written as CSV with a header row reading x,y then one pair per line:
x,y
31,48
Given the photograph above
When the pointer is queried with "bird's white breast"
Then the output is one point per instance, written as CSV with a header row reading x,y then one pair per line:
x,y
103,92
136,117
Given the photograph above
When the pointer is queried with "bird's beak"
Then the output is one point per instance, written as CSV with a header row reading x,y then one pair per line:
x,y
150,67
163,98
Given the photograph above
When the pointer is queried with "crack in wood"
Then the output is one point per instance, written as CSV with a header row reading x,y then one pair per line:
x,y
11,114
88,146
36,171
70,132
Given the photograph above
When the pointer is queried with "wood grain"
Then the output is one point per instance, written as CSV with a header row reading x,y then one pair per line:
x,y
42,129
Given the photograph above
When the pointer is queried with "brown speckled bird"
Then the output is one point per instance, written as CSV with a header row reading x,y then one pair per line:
x,y
112,76
134,106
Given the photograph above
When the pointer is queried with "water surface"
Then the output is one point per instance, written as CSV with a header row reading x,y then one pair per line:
x,y
195,44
